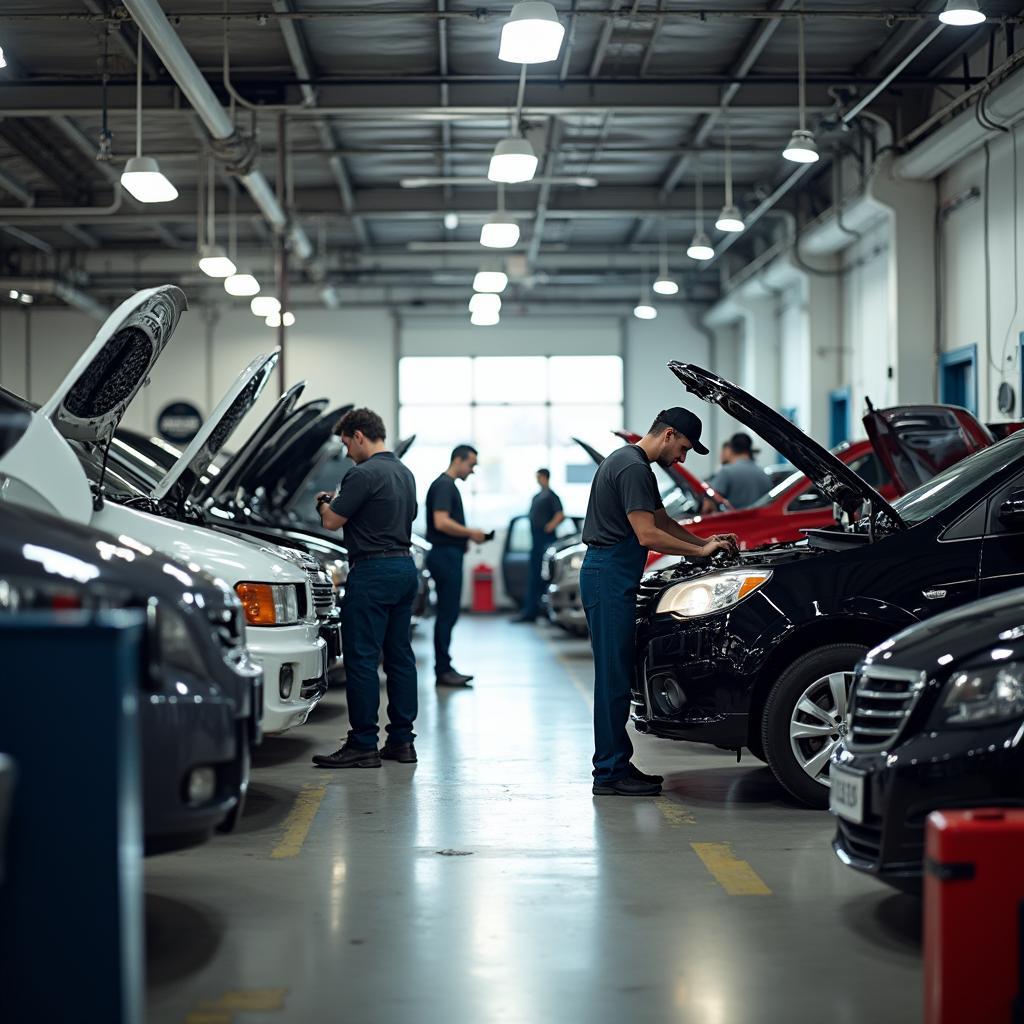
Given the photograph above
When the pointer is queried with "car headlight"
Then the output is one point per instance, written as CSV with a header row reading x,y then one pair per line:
x,y
576,563
175,648
984,696
269,604
710,593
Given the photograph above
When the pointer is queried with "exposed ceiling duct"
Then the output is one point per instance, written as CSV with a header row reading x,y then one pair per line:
x,y
59,289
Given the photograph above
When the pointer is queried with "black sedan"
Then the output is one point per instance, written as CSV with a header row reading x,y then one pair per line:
x,y
200,694
759,650
937,720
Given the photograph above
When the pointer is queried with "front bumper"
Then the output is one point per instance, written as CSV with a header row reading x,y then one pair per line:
x,y
928,772
564,605
303,652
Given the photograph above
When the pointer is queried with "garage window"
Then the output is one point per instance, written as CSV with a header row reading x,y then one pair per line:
x,y
520,412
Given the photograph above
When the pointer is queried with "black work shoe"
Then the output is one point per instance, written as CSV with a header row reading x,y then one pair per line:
x,y
403,753
453,678
349,757
635,773
627,786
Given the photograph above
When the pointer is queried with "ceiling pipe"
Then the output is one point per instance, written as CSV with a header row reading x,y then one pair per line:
x,y
59,289
229,146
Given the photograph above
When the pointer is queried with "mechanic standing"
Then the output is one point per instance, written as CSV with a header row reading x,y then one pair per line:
x,y
449,537
545,515
376,504
741,482
626,518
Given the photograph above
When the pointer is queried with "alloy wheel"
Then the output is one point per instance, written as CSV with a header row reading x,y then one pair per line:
x,y
818,723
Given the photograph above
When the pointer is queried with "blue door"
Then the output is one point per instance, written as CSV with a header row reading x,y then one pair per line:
x,y
838,416
958,377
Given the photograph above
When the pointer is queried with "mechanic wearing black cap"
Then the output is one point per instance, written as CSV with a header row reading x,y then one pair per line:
x,y
625,518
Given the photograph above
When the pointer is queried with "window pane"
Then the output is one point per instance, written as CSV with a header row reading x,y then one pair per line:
x,y
445,425
499,426
586,379
434,380
594,424
510,379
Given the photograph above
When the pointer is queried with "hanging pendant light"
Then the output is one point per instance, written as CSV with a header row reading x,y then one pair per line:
x,y
275,319
730,220
213,260
142,178
802,148
490,281
664,285
532,35
242,285
700,248
451,221
265,305
513,161
485,318
500,231
239,283
961,13
643,310
482,302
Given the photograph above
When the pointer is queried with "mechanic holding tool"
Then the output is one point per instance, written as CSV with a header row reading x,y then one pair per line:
x,y
376,504
626,518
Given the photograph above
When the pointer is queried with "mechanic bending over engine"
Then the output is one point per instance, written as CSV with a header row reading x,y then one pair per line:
x,y
625,519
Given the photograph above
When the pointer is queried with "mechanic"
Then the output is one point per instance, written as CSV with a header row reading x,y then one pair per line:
x,y
545,515
625,519
741,482
449,537
375,504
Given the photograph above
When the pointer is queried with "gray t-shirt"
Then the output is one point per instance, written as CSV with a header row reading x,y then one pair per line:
x,y
378,497
543,508
624,483
743,482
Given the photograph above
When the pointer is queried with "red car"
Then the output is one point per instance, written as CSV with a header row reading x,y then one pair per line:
x,y
909,444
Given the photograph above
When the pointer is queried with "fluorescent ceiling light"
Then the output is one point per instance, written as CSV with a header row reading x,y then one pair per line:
x,y
490,281
665,286
144,181
485,318
274,320
802,148
644,312
513,161
499,232
730,220
215,262
14,294
484,301
451,221
701,248
242,284
532,35
26,298
961,13
265,305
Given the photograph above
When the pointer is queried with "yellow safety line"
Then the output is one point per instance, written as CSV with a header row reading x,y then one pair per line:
x,y
735,876
223,1010
299,820
674,814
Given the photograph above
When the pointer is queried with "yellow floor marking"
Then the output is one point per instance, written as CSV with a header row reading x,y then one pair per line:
x,y
735,876
299,820
223,1010
674,814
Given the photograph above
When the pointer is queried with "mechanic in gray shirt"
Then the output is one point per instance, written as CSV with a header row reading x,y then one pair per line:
x,y
741,482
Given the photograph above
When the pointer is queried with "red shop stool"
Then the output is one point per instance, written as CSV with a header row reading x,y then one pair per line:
x,y
483,588
973,899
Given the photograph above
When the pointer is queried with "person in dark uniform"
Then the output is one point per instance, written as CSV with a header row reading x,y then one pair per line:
x,y
449,536
625,518
375,504
545,515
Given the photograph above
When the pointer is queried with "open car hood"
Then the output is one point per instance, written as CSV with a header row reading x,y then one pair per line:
x,y
92,398
591,451
832,478
222,486
182,479
301,456
915,442
403,445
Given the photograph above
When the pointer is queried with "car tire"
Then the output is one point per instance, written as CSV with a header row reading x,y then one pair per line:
x,y
811,675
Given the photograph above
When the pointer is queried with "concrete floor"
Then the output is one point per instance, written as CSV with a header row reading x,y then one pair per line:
x,y
487,884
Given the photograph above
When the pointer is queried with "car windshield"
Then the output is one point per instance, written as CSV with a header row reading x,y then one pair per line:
x,y
792,480
15,416
959,479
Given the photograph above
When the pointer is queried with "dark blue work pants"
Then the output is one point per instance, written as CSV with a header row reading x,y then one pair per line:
x,y
445,565
535,584
376,618
609,580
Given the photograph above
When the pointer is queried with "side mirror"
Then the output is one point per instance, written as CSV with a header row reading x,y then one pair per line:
x,y
1011,512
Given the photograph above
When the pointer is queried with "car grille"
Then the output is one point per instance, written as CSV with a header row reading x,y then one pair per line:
x,y
882,700
323,593
646,596
862,841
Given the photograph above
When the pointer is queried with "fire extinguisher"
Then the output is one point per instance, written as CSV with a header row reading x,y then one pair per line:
x,y
483,588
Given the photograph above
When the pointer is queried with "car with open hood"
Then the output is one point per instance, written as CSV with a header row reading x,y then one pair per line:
x,y
59,466
936,722
758,649
199,690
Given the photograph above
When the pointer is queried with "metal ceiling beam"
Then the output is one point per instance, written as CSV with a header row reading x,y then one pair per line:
x,y
26,238
901,40
27,140
122,37
81,236
544,196
14,186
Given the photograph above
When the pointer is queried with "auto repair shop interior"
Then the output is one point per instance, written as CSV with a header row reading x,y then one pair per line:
x,y
531,229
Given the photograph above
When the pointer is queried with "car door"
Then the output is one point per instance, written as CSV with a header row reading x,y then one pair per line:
x,y
515,559
1002,558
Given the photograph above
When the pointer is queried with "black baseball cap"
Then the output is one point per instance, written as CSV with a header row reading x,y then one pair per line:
x,y
682,421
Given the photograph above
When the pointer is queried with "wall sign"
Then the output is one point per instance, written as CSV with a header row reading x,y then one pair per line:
x,y
179,422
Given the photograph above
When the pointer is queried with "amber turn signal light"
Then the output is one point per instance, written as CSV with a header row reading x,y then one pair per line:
x,y
257,603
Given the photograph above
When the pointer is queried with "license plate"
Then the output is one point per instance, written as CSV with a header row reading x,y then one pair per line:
x,y
846,798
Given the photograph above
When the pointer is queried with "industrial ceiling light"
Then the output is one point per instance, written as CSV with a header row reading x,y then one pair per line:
x,y
490,281
532,35
481,302
26,299
274,320
14,294
961,13
701,248
730,220
242,285
802,148
451,221
500,231
265,305
513,161
3,59
142,177
485,318
664,284
213,260
644,311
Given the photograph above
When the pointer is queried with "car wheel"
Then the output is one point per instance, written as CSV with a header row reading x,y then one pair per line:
x,y
804,719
